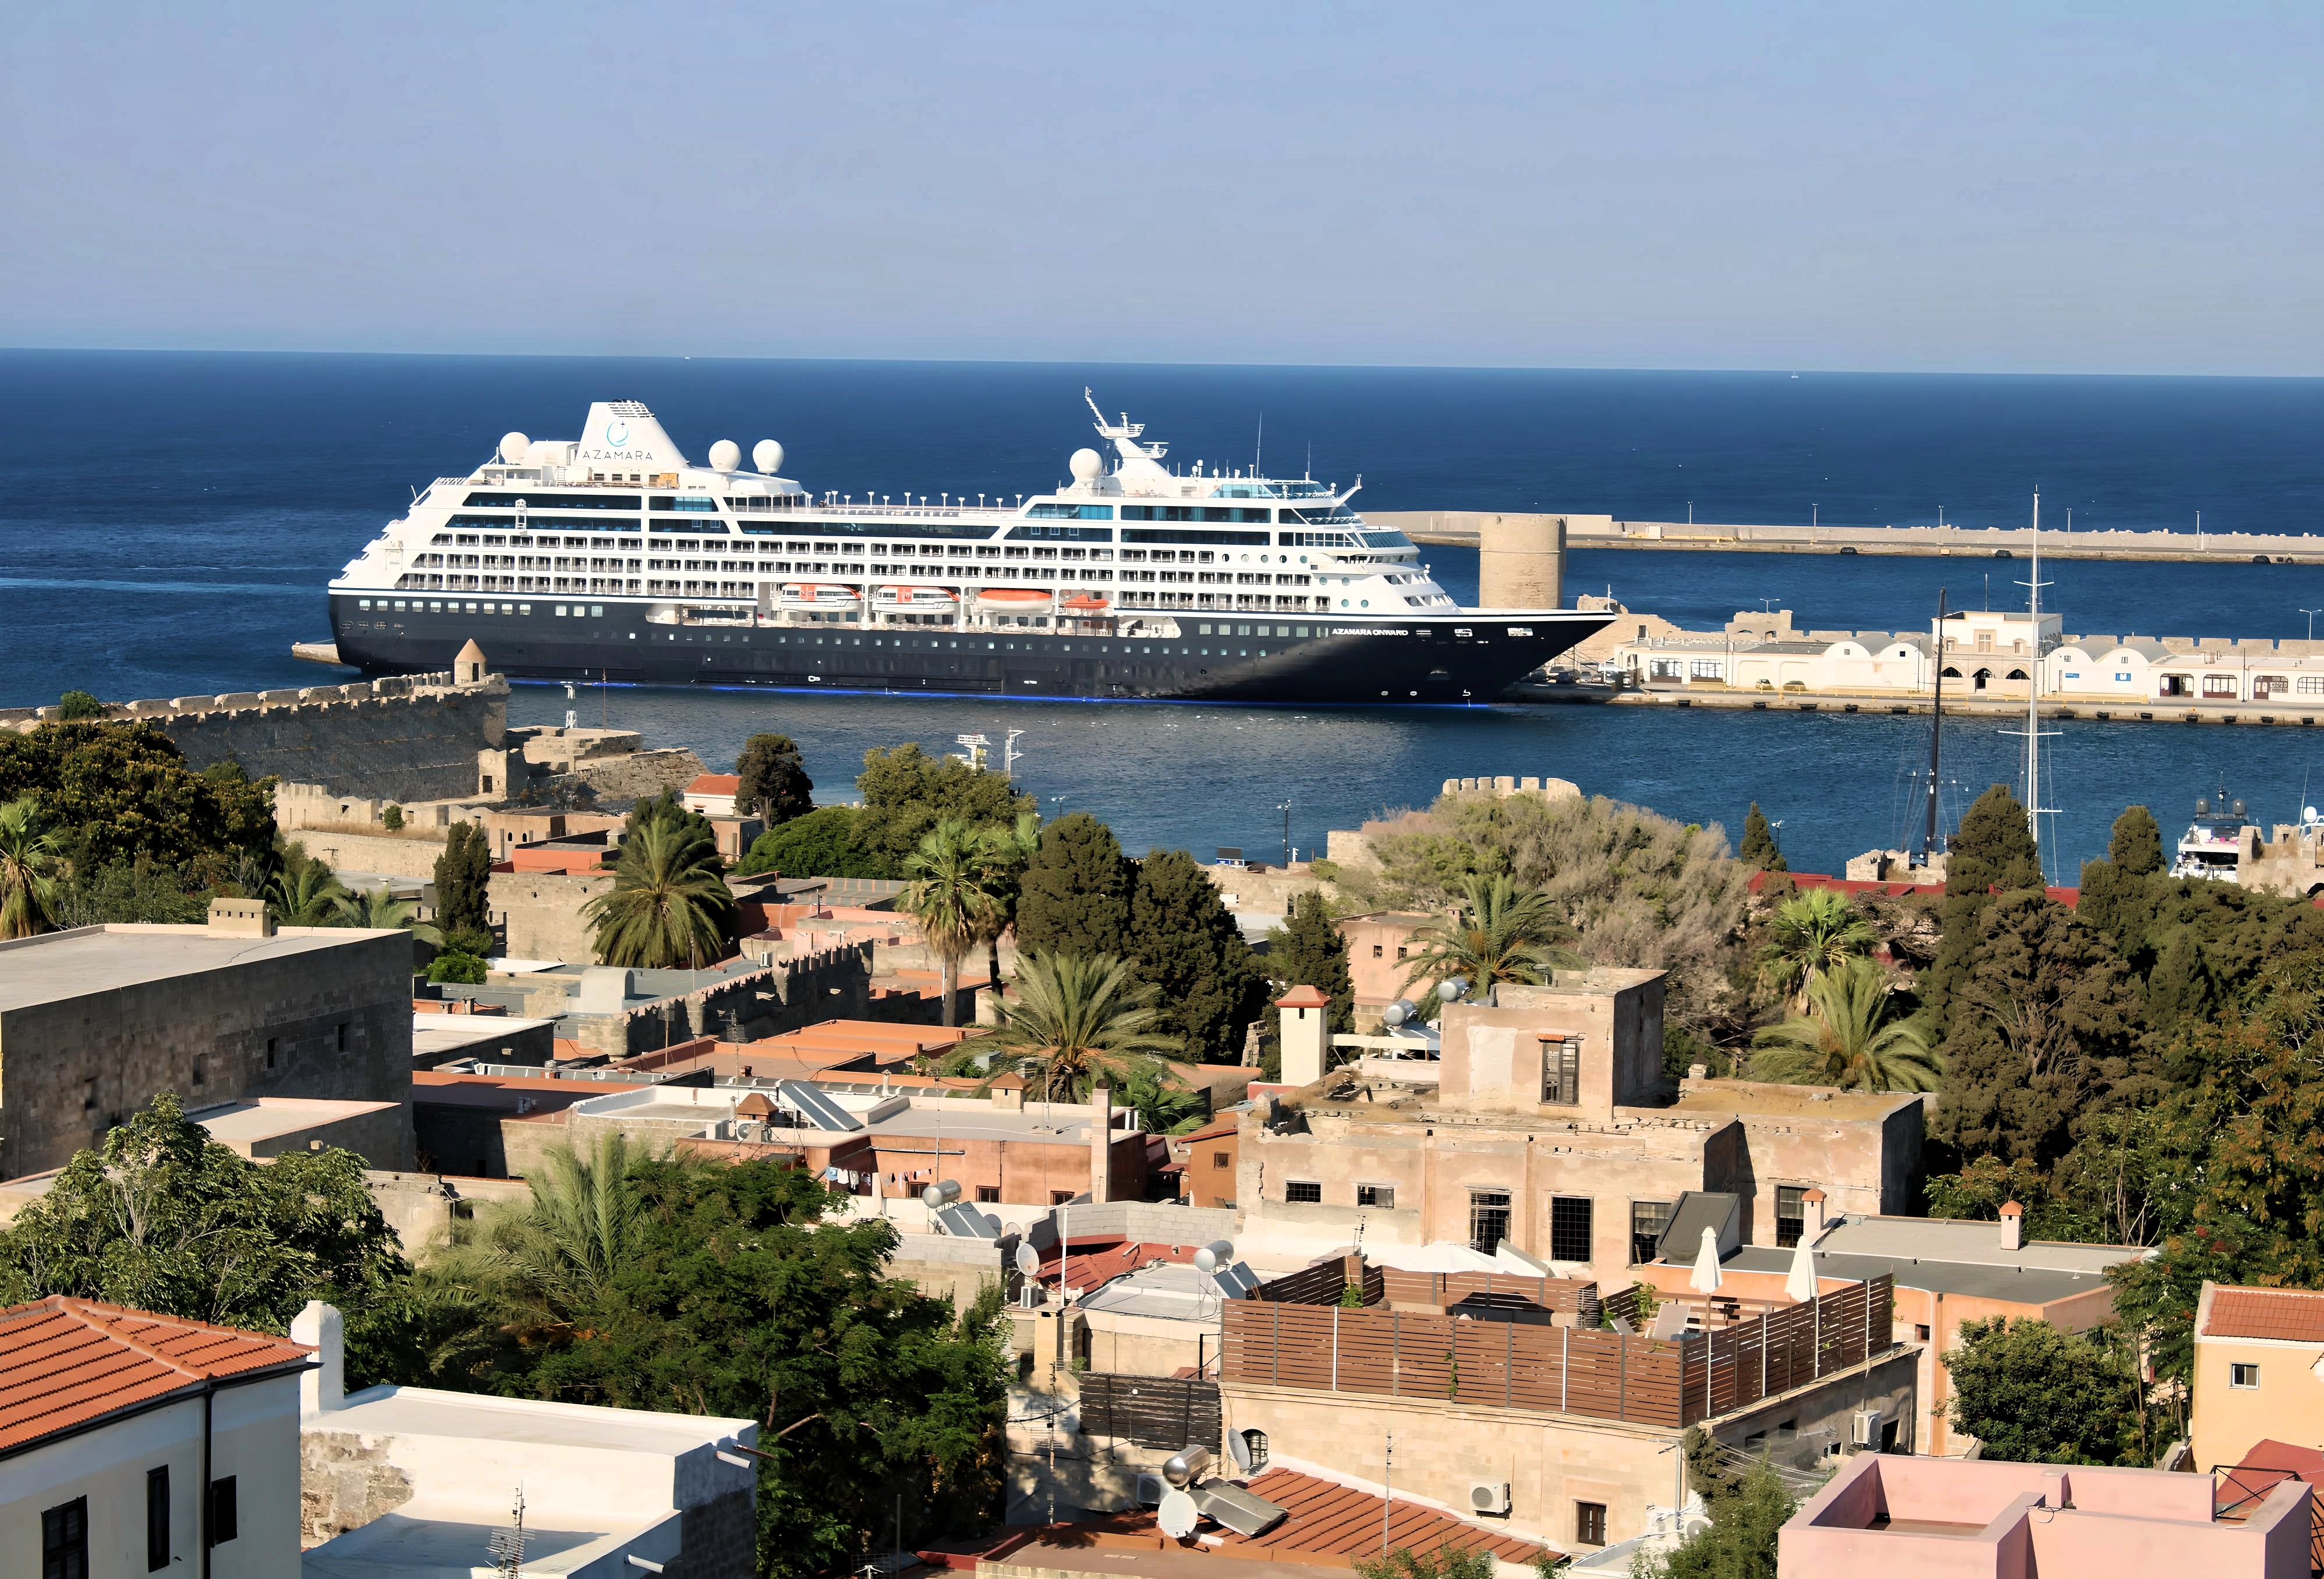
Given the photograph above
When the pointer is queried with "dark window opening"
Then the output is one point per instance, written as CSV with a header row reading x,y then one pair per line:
x,y
1381,1195
1648,1219
273,1045
64,1541
1590,1523
1304,1191
1569,1228
1489,1220
343,1036
1059,1197
1220,1160
224,1523
1561,1071
1255,1443
988,1192
1791,1214
157,1518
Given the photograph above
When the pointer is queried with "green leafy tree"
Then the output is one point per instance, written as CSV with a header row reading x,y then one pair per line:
x,y
464,874
1501,934
1188,948
1848,1039
165,1219
2135,848
1074,895
659,1284
774,782
1445,1562
460,968
2043,1032
305,892
121,792
820,843
1309,950
2179,990
1743,1535
31,859
1075,1022
1758,848
2033,1394
1993,850
906,792
669,906
76,705
952,881
391,820
1811,934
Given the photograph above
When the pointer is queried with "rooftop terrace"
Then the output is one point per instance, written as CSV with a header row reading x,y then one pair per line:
x,y
57,967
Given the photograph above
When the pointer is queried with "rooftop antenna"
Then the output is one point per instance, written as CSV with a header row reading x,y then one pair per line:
x,y
506,1547
1010,753
1936,739
1261,447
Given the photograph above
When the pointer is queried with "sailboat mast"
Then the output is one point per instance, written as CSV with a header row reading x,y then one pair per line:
x,y
1936,738
2033,690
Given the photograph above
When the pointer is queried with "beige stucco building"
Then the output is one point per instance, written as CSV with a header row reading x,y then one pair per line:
x,y
2259,1371
1548,1125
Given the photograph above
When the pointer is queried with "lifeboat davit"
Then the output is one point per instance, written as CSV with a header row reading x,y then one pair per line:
x,y
823,595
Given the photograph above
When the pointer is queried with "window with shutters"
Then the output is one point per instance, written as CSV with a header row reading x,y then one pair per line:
x,y
1489,1219
157,1518
64,1541
1561,1071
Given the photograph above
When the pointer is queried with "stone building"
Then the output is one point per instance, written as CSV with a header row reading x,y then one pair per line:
x,y
1547,1125
94,1021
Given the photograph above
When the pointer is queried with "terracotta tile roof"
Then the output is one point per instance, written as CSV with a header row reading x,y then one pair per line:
x,y
65,1361
1330,1518
715,784
2294,1315
1304,998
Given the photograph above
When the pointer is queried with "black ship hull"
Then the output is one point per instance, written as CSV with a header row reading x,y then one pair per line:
x,y
1462,656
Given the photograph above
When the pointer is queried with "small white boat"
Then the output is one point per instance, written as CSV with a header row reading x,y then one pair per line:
x,y
818,598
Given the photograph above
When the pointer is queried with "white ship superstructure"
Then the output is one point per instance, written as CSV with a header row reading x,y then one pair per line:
x,y
620,530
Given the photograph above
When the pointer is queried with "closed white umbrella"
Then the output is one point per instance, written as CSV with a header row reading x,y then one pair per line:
x,y
1704,1278
1800,1286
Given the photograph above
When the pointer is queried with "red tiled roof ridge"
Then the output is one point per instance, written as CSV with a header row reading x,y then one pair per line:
x,y
2243,1310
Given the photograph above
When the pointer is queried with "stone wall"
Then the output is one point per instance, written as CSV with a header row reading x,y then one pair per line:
x,y
540,913
345,1482
409,737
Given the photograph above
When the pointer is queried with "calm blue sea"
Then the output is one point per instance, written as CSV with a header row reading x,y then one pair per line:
x,y
167,522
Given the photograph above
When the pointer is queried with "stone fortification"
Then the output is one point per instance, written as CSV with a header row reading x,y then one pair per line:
x,y
406,737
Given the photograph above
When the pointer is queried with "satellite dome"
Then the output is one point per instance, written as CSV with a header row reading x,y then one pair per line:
x,y
514,448
767,456
1085,466
726,456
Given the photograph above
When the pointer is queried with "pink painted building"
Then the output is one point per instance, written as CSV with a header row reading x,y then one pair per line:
x,y
1952,1518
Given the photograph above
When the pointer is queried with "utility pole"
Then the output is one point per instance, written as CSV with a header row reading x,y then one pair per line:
x,y
1388,1492
1285,809
2312,613
1936,738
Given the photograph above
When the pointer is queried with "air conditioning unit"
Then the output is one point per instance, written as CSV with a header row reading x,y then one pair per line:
x,y
1864,1427
1489,1497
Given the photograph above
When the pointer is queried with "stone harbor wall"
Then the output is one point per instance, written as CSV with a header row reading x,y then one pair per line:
x,y
406,737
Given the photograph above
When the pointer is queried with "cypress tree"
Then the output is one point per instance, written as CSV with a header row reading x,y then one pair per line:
x,y
2136,847
1075,896
1993,850
1311,951
1759,848
2180,991
774,784
1184,943
463,873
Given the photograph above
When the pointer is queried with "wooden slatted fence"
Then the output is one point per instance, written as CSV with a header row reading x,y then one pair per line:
x,y
1163,1412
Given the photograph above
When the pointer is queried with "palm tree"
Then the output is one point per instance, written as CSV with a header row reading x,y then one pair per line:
x,y
550,1261
1009,850
380,910
30,859
1077,1021
1501,934
305,893
950,895
1162,1107
1812,933
1847,1040
669,904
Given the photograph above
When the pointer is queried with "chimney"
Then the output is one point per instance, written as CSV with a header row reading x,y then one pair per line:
x,y
1305,1034
319,1325
1812,1229
1100,1143
2013,1226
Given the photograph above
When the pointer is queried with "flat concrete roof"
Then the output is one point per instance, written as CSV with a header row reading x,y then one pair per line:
x,y
59,966
2023,1285
920,1123
426,1539
265,1118
1762,1099
421,1411
1967,1242
446,1035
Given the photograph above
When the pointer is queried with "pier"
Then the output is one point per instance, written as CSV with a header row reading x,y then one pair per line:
x,y
1465,529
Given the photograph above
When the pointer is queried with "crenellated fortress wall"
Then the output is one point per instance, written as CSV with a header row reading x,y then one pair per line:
x,y
404,737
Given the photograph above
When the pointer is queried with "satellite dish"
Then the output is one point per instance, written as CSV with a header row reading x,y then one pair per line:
x,y
1029,1259
515,448
1085,466
1219,1252
767,456
726,456
1238,1448
1177,1515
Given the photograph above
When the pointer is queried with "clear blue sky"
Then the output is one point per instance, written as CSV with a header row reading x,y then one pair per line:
x,y
1976,186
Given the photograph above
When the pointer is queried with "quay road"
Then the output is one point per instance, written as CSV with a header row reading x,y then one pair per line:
x,y
1463,529
2280,712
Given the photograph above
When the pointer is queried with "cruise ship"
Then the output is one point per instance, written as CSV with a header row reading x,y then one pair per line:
x,y
613,556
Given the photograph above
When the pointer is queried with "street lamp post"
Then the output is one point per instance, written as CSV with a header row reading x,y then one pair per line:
x,y
2312,613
